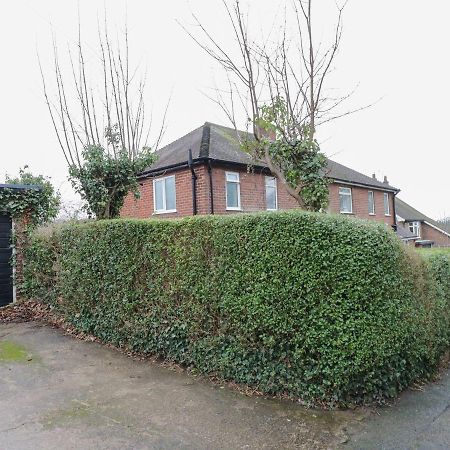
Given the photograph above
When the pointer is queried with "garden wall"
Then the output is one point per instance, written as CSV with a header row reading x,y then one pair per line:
x,y
314,306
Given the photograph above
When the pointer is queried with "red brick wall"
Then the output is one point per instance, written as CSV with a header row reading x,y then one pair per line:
x,y
253,192
440,239
143,207
360,200
252,187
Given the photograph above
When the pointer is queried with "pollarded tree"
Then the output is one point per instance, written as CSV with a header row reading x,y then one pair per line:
x,y
281,85
103,134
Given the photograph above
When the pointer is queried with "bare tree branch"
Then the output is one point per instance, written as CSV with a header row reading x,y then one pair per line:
x,y
281,84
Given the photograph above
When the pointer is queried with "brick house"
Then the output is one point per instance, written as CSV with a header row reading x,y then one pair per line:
x,y
206,172
415,227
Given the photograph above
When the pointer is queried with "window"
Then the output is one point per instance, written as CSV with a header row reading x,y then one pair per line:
x,y
345,200
387,211
414,227
164,195
271,194
371,203
233,191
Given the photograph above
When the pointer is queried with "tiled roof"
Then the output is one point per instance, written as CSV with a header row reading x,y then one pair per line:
x,y
405,232
445,225
223,144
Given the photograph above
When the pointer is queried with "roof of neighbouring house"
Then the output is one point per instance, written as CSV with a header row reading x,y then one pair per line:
x,y
21,187
409,214
405,233
445,225
222,144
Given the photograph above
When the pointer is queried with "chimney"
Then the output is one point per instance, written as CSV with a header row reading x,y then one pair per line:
x,y
267,134
374,176
385,180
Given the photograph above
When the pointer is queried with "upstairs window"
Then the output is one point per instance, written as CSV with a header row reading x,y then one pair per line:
x,y
271,194
345,200
414,227
164,195
387,210
371,203
233,191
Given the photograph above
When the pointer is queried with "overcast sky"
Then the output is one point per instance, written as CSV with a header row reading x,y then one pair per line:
x,y
396,51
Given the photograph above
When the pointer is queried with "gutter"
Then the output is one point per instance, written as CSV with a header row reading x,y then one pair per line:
x,y
366,185
196,162
207,160
183,165
21,187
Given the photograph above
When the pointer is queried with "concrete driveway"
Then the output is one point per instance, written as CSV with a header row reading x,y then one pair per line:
x,y
57,392
419,420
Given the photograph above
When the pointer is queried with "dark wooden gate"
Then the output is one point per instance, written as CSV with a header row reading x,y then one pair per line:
x,y
6,270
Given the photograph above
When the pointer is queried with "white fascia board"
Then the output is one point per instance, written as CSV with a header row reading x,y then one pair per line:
x,y
436,228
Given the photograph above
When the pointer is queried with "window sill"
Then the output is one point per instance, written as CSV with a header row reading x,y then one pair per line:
x,y
387,215
233,209
164,212
346,212
276,209
372,214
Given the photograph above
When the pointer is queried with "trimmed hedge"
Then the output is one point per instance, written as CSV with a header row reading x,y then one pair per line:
x,y
314,306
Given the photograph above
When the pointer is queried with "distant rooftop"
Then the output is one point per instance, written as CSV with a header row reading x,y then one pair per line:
x,y
409,214
21,187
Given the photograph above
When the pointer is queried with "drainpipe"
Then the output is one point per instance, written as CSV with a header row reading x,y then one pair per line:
x,y
211,188
395,226
385,181
194,184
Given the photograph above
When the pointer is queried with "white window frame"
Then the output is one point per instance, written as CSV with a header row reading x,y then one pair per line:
x,y
415,226
238,182
348,192
163,182
386,200
275,186
371,194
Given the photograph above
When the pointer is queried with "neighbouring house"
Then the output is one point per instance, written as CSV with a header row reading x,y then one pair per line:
x,y
416,228
206,172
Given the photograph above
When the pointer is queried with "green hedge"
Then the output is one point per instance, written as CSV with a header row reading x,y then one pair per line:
x,y
315,306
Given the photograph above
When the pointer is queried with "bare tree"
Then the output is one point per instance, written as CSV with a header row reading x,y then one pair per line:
x,y
281,85
102,117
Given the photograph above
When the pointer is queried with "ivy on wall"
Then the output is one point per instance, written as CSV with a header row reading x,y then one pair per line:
x,y
40,203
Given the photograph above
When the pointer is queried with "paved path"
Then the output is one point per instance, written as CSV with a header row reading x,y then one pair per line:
x,y
419,420
57,392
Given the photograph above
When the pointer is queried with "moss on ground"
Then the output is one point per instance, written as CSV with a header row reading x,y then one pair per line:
x,y
76,412
10,351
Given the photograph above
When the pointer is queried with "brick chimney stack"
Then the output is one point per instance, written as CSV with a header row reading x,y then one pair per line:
x,y
374,176
267,134
385,180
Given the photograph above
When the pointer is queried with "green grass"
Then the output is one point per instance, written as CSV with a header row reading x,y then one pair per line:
x,y
435,251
